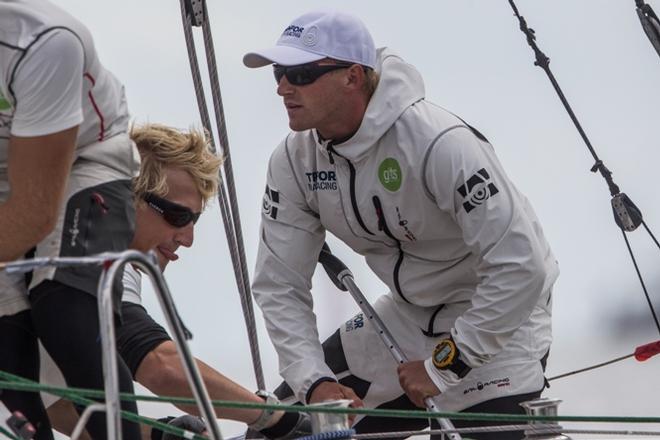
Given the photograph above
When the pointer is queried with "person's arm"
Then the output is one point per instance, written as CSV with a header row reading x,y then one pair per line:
x,y
467,181
291,238
47,93
38,170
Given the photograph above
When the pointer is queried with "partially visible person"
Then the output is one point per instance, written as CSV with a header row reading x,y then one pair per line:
x,y
66,164
178,176
422,196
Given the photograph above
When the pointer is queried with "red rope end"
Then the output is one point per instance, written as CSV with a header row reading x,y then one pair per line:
x,y
647,351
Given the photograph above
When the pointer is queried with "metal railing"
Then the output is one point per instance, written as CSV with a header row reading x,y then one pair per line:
x,y
112,264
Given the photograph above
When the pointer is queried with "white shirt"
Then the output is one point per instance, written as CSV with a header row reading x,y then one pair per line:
x,y
51,80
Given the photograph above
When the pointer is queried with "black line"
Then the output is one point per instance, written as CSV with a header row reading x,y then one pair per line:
x,y
11,46
27,48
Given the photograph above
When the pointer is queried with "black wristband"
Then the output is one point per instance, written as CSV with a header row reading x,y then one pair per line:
x,y
283,426
318,382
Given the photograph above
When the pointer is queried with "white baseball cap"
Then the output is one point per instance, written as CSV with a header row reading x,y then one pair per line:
x,y
318,35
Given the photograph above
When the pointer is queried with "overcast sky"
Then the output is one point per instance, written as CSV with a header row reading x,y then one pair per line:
x,y
476,63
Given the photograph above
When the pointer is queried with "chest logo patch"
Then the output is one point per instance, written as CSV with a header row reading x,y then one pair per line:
x,y
321,180
389,174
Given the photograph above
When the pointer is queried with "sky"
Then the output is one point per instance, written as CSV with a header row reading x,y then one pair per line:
x,y
476,63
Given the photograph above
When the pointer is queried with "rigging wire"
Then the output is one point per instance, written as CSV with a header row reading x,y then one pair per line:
x,y
641,353
194,12
626,215
650,23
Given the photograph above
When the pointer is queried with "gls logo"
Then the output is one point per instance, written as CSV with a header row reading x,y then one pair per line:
x,y
389,174
321,180
477,190
270,202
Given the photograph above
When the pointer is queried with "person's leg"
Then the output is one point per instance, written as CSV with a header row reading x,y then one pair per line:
x,y
19,355
502,405
336,358
64,418
66,320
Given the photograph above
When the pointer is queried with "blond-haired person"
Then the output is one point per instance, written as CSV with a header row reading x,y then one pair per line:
x,y
178,176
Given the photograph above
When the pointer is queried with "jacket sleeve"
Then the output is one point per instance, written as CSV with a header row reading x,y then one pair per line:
x,y
291,238
464,177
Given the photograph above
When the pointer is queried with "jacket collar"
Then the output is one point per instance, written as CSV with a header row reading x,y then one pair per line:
x,y
399,87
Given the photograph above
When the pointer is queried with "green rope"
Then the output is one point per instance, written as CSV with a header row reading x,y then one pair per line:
x,y
8,434
17,383
22,384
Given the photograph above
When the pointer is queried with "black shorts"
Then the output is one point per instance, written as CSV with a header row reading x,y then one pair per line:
x,y
137,335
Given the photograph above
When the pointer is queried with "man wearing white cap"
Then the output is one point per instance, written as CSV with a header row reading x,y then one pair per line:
x,y
421,195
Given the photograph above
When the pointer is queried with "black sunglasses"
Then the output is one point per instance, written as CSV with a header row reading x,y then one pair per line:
x,y
304,74
173,213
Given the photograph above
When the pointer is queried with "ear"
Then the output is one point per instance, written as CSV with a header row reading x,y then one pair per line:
x,y
355,77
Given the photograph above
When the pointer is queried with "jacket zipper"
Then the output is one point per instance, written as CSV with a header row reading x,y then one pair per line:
x,y
382,226
351,168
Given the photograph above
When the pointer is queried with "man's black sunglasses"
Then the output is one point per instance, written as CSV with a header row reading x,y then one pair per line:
x,y
304,74
173,213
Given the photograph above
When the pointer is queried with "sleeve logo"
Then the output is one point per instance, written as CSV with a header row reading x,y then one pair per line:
x,y
271,200
477,190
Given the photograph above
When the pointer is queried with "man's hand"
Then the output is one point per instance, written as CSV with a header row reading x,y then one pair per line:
x,y
335,391
416,382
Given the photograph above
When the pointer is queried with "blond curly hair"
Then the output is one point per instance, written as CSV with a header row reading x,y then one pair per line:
x,y
161,146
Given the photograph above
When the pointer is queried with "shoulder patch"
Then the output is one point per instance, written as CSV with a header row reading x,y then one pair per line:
x,y
477,189
271,202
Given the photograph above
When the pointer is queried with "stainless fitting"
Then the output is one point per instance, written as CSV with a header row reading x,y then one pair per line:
x,y
543,407
329,422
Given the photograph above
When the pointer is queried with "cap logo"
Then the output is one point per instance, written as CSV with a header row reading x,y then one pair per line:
x,y
293,31
310,36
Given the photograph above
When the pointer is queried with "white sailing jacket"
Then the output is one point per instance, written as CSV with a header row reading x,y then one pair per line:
x,y
424,199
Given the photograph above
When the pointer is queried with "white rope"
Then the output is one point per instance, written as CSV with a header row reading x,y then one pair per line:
x,y
536,429
228,204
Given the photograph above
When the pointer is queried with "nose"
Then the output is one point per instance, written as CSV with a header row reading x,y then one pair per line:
x,y
284,87
186,235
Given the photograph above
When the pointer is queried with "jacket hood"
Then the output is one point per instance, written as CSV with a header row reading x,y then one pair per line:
x,y
400,86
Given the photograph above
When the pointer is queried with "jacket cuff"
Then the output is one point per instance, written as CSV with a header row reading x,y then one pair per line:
x,y
443,379
313,386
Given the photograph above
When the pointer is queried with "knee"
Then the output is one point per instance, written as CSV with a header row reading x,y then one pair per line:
x,y
161,367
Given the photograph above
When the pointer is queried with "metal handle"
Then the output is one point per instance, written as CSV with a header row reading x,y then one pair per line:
x,y
339,273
